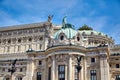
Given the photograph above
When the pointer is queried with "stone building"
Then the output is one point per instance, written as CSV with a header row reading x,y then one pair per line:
x,y
45,51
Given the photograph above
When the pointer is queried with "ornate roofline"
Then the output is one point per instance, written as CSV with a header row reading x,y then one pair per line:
x,y
24,26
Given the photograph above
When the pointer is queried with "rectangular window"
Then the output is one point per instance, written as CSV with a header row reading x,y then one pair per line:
x,y
49,73
93,75
61,72
21,69
117,77
39,76
92,60
40,62
117,66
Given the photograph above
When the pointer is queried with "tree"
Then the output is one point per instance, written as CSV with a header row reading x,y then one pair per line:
x,y
85,27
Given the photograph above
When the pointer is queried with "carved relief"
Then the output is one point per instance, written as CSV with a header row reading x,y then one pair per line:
x,y
61,58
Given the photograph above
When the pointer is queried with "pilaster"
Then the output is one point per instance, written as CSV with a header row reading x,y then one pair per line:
x,y
104,67
30,69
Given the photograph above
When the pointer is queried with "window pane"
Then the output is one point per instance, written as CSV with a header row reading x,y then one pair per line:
x,y
93,75
61,72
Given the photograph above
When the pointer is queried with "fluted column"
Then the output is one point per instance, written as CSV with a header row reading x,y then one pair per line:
x,y
53,68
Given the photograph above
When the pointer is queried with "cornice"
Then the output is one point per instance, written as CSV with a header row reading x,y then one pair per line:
x,y
13,55
91,49
24,26
66,48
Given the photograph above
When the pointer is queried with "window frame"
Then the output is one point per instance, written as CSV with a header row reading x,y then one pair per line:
x,y
93,75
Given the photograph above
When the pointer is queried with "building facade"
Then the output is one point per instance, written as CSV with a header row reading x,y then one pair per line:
x,y
45,51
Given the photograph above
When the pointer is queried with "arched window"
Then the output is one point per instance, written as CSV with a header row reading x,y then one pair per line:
x,y
9,41
19,40
30,39
78,38
7,78
19,78
41,38
62,37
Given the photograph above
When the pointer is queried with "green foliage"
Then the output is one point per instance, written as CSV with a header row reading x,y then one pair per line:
x,y
85,27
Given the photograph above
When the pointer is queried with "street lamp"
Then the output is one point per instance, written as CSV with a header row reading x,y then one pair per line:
x,y
79,67
13,68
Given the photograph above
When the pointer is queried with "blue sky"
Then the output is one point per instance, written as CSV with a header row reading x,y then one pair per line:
x,y
102,15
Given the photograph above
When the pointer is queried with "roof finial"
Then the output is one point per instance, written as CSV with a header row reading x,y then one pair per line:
x,y
64,22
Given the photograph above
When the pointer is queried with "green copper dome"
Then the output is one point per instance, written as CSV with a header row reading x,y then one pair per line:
x,y
68,31
89,32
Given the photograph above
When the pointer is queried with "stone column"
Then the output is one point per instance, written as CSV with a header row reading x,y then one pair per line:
x,y
70,68
53,68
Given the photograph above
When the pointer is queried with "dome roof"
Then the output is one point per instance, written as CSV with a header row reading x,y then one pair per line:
x,y
68,30
89,32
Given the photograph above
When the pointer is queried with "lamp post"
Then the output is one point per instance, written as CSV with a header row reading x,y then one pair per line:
x,y
79,67
13,68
